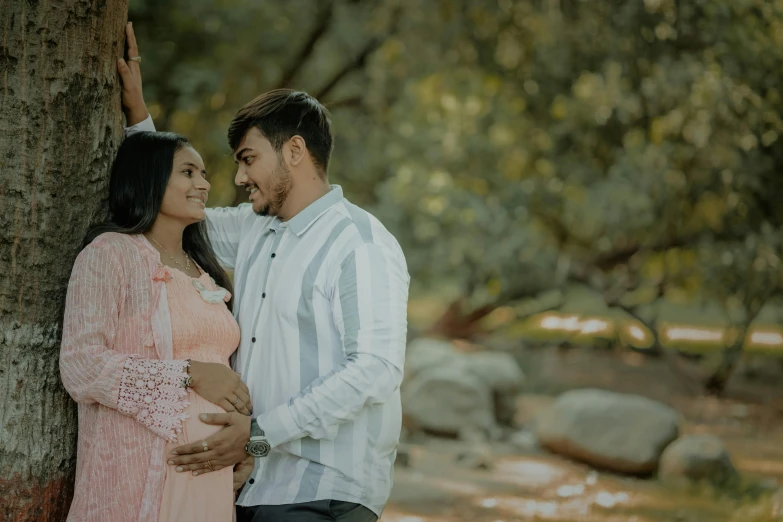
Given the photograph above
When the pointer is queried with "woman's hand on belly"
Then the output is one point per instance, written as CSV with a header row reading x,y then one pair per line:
x,y
220,385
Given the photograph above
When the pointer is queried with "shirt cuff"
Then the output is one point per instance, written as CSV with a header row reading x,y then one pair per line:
x,y
143,126
279,425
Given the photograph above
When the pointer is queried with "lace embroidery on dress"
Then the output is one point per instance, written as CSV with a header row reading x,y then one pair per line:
x,y
152,392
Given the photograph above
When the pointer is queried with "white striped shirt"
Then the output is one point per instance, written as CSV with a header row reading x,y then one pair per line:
x,y
321,302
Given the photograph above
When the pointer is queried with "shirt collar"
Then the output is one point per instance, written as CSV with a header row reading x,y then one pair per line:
x,y
310,214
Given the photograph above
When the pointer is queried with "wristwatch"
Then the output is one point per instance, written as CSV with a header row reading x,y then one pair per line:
x,y
257,446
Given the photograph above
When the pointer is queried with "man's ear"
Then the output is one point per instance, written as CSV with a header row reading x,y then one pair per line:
x,y
295,150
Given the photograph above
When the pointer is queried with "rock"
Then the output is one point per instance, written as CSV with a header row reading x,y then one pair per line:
x,y
499,370
495,372
448,400
424,353
696,458
472,434
618,432
525,441
479,456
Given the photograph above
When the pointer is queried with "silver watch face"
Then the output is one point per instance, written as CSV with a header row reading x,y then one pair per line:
x,y
258,448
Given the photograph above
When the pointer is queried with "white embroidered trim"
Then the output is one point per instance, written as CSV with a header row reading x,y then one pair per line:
x,y
151,391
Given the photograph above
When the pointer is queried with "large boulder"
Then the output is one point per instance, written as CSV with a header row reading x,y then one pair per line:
x,y
499,370
618,432
449,391
424,353
448,400
697,458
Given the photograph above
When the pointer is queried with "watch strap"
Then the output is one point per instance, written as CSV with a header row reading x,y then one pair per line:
x,y
255,429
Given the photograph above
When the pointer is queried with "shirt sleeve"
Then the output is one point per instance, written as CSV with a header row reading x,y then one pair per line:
x,y
224,227
148,390
143,126
369,307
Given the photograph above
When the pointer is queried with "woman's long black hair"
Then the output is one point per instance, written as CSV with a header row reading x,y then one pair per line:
x,y
139,178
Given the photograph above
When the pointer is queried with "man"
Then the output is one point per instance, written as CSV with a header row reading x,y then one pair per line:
x,y
321,296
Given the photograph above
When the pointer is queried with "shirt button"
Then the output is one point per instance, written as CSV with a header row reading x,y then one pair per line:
x,y
274,255
253,340
263,295
252,481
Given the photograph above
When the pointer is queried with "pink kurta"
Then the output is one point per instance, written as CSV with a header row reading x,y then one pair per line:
x,y
116,361
208,333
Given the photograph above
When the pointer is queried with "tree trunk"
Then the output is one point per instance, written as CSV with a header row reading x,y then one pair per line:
x,y
716,383
60,125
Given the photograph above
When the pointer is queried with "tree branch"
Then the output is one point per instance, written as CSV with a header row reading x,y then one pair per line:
x,y
361,59
353,65
688,382
324,21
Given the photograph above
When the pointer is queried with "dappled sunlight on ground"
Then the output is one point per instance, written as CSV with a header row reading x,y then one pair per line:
x,y
530,472
536,488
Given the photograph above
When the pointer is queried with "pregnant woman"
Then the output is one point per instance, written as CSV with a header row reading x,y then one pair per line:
x,y
146,339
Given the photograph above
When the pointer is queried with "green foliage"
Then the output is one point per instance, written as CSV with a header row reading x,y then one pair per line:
x,y
506,142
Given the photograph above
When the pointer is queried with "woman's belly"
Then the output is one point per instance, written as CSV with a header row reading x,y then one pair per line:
x,y
193,429
203,498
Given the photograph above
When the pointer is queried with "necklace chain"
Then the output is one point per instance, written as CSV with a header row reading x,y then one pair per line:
x,y
187,258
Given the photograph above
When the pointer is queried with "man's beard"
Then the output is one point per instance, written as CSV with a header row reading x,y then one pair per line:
x,y
278,193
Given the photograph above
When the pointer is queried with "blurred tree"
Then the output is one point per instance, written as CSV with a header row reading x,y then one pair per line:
x,y
514,145
205,59
574,134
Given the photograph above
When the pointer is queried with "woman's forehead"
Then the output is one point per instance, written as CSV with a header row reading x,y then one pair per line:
x,y
188,155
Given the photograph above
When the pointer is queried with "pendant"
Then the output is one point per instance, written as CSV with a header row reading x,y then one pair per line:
x,y
210,296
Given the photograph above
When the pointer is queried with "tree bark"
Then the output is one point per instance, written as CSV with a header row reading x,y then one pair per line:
x,y
718,380
60,125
